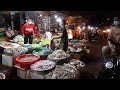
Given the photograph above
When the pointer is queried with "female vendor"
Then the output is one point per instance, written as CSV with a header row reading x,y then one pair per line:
x,y
64,37
28,31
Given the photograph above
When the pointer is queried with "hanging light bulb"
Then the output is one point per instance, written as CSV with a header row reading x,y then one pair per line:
x,y
59,20
56,16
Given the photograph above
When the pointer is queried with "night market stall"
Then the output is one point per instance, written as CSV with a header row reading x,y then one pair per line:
x,y
43,59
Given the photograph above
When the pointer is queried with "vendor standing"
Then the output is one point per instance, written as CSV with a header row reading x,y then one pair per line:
x,y
28,31
64,37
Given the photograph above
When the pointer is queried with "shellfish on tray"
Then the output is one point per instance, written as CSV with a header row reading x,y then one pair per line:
x,y
75,50
6,44
18,50
28,59
64,72
58,55
42,65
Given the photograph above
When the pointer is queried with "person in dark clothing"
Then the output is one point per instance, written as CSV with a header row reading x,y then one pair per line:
x,y
64,37
93,35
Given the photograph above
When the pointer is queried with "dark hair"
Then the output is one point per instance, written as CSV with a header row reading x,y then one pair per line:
x,y
116,18
29,19
7,26
64,22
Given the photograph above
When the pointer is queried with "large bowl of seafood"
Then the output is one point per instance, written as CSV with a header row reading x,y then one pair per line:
x,y
16,51
43,65
58,56
26,60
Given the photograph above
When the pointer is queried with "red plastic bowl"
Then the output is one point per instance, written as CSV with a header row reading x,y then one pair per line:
x,y
26,65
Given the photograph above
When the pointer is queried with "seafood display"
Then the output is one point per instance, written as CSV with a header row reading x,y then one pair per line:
x,y
58,55
77,45
58,65
16,51
5,44
18,38
49,75
77,63
28,59
67,71
42,65
75,49
63,72
83,41
43,52
21,43
39,53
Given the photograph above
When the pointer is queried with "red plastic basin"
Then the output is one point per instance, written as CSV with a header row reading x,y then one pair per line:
x,y
24,64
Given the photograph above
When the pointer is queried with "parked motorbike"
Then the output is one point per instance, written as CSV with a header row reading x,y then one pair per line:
x,y
110,69
111,66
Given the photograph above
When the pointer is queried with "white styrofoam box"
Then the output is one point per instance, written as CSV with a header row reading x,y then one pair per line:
x,y
28,74
22,73
7,60
35,75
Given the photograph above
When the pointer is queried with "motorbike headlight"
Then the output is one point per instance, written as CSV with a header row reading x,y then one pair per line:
x,y
109,65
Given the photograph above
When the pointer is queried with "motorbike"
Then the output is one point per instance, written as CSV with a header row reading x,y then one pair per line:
x,y
111,66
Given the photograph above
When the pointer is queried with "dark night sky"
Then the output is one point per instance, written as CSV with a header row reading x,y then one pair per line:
x,y
96,17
